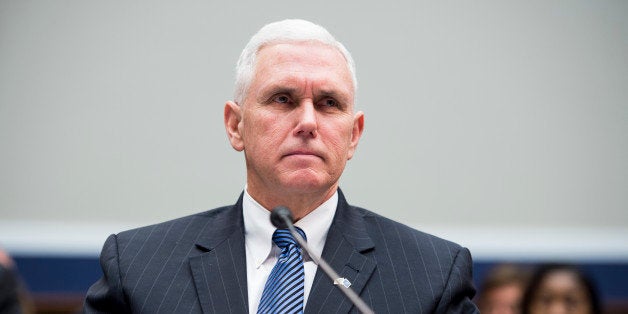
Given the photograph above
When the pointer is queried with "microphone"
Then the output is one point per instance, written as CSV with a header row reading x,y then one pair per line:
x,y
281,217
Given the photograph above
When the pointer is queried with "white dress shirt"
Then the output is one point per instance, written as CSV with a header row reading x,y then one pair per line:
x,y
262,252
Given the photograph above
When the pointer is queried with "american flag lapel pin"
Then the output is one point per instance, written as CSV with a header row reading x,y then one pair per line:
x,y
342,282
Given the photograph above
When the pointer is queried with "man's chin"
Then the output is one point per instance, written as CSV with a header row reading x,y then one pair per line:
x,y
303,187
305,184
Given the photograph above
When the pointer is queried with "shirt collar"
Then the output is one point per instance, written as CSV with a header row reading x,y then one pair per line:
x,y
258,230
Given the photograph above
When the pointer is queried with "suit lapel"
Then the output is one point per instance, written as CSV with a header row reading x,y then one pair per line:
x,y
220,270
345,250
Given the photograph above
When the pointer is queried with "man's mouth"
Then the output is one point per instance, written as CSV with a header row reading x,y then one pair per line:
x,y
304,153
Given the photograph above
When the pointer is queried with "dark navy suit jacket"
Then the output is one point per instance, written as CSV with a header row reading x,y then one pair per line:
x,y
197,264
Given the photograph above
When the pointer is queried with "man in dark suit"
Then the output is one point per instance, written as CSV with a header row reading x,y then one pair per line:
x,y
294,119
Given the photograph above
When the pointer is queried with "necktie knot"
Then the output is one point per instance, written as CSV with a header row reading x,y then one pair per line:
x,y
283,238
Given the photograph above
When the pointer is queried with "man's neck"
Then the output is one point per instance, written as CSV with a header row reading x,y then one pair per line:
x,y
300,204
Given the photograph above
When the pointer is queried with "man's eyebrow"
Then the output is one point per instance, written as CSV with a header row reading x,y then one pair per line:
x,y
273,89
333,93
330,93
281,87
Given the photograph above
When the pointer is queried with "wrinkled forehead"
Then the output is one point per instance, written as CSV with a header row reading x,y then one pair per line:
x,y
332,52
311,63
324,54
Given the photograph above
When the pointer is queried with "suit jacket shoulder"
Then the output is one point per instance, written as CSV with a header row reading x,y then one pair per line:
x,y
406,232
173,232
166,267
395,268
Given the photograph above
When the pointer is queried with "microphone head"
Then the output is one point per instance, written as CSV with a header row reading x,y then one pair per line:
x,y
279,215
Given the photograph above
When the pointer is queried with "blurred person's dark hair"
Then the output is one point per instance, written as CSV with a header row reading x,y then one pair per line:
x,y
502,289
9,296
536,295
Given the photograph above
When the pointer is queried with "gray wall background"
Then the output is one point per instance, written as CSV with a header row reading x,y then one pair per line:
x,y
478,113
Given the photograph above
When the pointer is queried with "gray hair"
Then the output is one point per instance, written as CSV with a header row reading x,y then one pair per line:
x,y
286,31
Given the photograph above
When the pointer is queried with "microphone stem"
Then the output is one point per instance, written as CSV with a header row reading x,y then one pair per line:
x,y
349,293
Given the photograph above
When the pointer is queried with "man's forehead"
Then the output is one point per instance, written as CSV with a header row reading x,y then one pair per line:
x,y
304,52
287,63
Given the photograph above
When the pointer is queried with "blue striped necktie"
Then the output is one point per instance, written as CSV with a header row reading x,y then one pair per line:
x,y
283,292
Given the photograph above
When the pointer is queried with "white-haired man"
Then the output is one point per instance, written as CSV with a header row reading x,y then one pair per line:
x,y
293,117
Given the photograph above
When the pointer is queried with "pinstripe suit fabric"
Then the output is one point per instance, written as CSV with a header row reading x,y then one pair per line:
x,y
196,264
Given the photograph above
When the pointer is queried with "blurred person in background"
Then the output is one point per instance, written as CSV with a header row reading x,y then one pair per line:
x,y
13,298
502,290
560,288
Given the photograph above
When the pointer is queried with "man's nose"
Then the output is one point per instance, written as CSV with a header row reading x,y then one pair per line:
x,y
306,124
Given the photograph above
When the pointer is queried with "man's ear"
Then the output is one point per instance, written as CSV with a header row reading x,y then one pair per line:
x,y
356,133
233,119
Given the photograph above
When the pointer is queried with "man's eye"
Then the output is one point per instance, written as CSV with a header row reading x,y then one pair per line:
x,y
282,99
330,103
